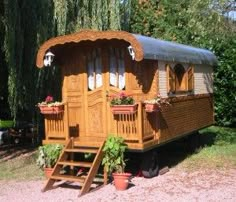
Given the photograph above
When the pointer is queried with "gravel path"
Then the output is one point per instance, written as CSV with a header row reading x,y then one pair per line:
x,y
176,185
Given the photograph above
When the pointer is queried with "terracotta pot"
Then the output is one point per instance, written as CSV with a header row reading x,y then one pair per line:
x,y
121,180
48,172
151,107
124,109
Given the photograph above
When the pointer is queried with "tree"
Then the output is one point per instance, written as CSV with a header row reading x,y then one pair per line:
x,y
24,26
200,23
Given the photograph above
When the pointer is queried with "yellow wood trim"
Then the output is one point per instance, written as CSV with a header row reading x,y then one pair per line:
x,y
66,122
140,125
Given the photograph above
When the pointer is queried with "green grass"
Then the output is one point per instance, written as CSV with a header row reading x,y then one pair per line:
x,y
21,168
218,150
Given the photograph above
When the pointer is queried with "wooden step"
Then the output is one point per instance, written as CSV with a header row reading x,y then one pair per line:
x,y
76,163
82,150
68,178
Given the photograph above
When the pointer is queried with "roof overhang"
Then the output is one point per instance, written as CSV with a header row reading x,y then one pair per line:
x,y
143,47
89,35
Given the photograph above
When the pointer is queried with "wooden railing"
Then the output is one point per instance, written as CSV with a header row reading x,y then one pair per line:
x,y
135,127
57,126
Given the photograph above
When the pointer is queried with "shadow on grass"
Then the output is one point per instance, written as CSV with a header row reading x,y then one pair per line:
x,y
12,151
173,153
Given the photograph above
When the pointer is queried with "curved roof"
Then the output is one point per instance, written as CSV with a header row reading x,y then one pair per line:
x,y
170,51
144,47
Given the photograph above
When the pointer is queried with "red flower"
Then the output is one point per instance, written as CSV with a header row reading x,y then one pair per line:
x,y
49,99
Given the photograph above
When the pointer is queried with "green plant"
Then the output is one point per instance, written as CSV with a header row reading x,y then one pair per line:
x,y
113,159
122,99
48,155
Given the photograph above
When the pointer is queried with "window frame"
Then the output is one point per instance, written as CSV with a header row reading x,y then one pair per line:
x,y
188,78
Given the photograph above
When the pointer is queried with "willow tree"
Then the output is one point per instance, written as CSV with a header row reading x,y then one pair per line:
x,y
3,68
22,20
27,24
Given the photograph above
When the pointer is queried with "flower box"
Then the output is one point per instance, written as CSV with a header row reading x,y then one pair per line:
x,y
124,109
151,107
44,109
49,106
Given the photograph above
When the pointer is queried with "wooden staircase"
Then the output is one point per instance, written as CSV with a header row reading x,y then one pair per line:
x,y
82,171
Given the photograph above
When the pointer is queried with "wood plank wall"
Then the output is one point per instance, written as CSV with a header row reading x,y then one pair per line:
x,y
186,114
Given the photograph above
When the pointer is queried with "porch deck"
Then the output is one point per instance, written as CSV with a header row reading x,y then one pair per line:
x,y
140,130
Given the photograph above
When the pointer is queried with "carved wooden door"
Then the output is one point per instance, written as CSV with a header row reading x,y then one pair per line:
x,y
95,99
105,76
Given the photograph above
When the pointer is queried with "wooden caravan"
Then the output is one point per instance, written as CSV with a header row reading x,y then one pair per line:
x,y
98,64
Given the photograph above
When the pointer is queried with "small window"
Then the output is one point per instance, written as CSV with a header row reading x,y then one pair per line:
x,y
179,80
94,69
117,68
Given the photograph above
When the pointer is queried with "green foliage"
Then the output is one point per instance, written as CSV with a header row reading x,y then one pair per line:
x,y
202,24
24,26
225,82
220,135
122,99
114,154
48,155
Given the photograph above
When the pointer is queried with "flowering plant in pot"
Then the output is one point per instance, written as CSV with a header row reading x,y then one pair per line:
x,y
49,106
114,161
123,104
155,104
47,156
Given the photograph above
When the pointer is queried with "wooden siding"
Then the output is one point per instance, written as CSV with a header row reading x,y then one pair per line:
x,y
162,78
186,114
203,79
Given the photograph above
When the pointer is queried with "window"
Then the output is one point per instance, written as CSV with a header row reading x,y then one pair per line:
x,y
117,68
179,80
94,69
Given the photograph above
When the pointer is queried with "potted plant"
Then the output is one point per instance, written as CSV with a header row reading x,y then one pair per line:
x,y
48,156
49,106
123,104
114,161
155,104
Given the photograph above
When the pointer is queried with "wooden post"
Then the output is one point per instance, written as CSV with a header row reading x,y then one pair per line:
x,y
140,123
105,176
66,122
46,128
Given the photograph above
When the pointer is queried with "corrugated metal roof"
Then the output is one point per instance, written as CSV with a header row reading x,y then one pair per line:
x,y
170,51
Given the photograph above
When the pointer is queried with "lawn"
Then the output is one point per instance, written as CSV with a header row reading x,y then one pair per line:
x,y
21,167
217,151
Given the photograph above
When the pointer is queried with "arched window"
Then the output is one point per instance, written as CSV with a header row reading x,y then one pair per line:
x,y
179,80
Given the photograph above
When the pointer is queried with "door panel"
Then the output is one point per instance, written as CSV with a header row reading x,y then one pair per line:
x,y
95,99
104,77
95,114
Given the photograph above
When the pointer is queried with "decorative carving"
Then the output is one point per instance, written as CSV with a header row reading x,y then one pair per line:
x,y
95,117
91,36
73,82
